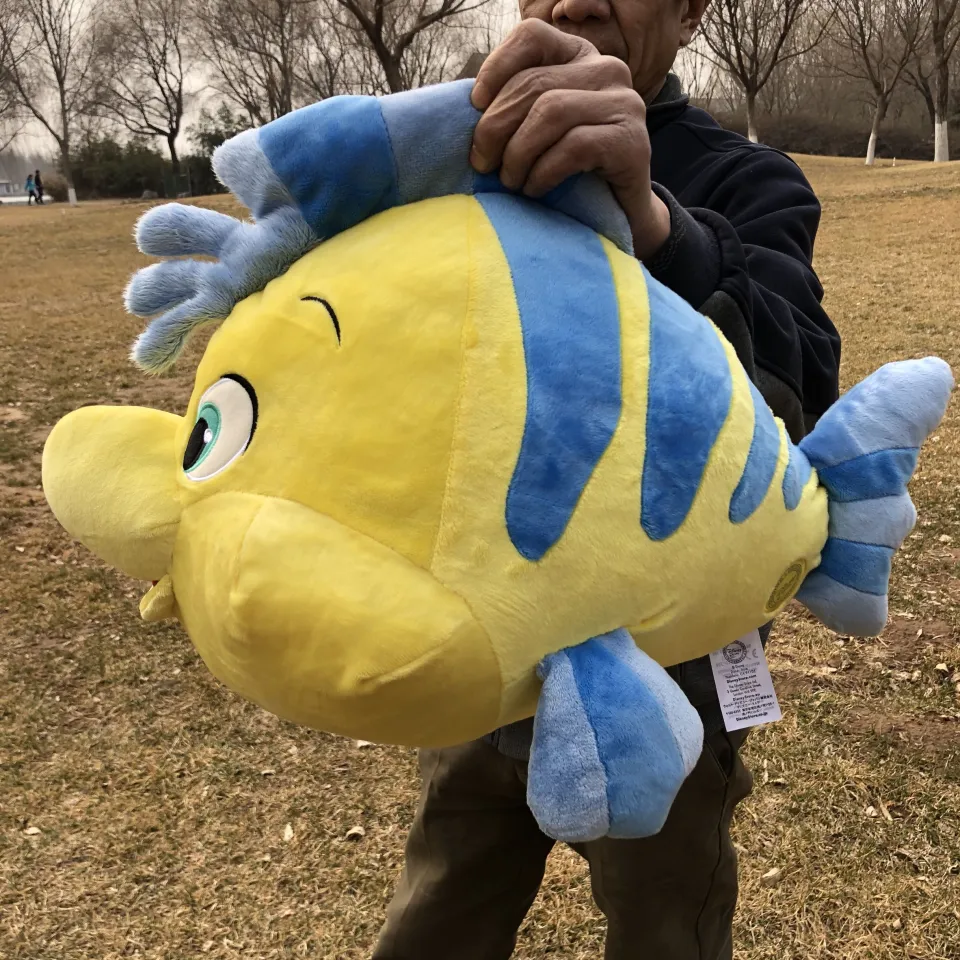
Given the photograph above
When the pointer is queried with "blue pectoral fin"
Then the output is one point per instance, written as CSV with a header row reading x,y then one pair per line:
x,y
614,738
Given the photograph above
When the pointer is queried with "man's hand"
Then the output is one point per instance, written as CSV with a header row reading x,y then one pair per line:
x,y
554,107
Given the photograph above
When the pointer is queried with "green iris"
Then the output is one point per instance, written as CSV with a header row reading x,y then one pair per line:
x,y
205,433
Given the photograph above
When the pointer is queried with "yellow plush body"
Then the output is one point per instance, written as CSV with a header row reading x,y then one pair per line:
x,y
352,570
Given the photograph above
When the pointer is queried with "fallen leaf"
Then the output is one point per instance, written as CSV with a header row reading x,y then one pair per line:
x,y
772,877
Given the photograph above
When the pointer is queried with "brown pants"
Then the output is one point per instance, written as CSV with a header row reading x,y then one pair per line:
x,y
476,858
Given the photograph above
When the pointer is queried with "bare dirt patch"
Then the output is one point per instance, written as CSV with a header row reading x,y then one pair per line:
x,y
938,734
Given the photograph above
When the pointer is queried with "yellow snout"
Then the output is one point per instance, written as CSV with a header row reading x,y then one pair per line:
x,y
314,621
109,475
324,626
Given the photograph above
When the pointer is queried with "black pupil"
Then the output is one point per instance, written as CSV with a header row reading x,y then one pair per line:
x,y
195,444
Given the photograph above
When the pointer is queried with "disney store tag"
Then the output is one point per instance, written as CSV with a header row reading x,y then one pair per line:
x,y
747,697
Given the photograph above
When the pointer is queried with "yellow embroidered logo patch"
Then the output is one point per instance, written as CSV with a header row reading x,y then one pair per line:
x,y
787,586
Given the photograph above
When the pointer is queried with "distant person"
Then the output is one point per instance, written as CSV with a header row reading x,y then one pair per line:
x,y
38,186
31,187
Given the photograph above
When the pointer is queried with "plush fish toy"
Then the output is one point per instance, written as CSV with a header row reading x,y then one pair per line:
x,y
454,459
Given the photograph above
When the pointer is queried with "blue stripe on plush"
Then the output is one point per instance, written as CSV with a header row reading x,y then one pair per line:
x,y
689,394
635,741
761,462
336,159
566,781
885,521
896,407
795,477
590,200
861,566
445,111
242,166
570,320
881,474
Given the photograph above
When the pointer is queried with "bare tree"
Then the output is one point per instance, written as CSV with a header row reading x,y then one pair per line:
x,y
9,131
944,35
256,50
11,121
144,86
877,39
336,59
49,57
696,73
750,39
920,75
404,35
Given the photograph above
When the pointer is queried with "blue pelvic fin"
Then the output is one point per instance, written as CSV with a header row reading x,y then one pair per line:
x,y
614,738
865,450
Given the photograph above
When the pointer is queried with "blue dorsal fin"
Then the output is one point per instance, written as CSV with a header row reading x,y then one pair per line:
x,y
310,175
344,159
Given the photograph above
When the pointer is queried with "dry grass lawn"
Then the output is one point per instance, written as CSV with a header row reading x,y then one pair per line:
x,y
144,808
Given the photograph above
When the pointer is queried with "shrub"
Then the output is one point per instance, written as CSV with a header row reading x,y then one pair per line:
x,y
55,187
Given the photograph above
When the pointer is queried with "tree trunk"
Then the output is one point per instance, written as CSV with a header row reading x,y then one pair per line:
x,y
67,172
878,115
752,117
941,140
174,158
941,129
927,94
391,69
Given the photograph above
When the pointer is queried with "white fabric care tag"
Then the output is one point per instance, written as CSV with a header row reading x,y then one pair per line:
x,y
747,697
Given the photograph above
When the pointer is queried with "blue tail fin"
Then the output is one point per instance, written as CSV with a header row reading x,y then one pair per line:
x,y
865,451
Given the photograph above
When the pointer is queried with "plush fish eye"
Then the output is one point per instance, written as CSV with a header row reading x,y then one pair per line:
x,y
226,421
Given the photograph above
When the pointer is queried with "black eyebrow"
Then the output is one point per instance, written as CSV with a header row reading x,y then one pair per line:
x,y
330,310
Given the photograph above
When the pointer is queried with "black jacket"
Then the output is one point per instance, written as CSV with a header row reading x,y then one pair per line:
x,y
743,224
